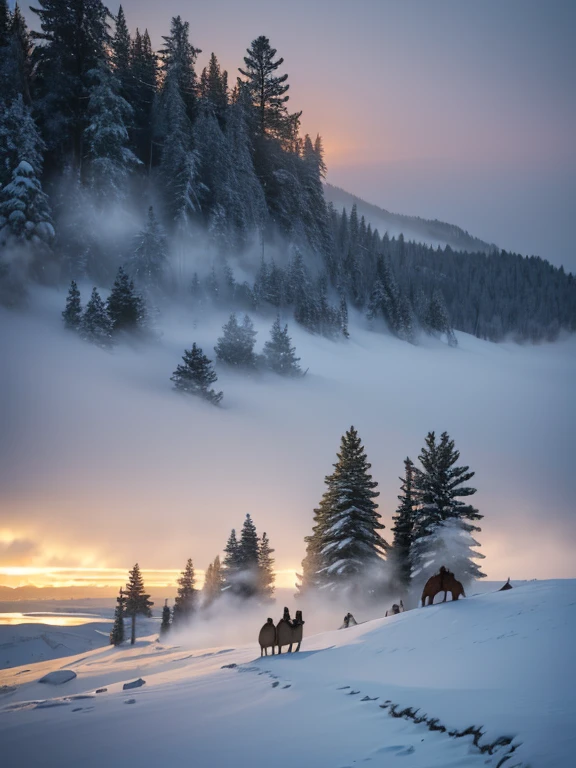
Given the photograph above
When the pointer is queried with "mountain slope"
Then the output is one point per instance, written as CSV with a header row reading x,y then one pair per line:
x,y
485,661
431,232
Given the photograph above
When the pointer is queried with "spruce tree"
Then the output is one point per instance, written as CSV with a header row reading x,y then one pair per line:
x,y
138,603
438,490
347,545
196,375
403,526
232,564
236,346
150,254
213,583
73,313
143,84
125,308
185,602
117,632
266,575
121,46
279,355
96,326
165,623
248,559
25,217
19,139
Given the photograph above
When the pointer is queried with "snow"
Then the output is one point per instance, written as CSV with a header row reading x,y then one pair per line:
x,y
58,677
501,661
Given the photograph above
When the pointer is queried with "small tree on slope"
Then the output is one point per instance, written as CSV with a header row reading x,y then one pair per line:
x,y
236,345
278,354
165,624
185,602
73,313
403,526
125,307
138,603
95,325
117,633
196,375
265,568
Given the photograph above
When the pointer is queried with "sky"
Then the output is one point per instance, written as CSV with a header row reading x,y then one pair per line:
x,y
465,112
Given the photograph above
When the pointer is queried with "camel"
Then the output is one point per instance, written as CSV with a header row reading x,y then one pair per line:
x,y
289,632
267,637
349,621
395,609
506,586
444,581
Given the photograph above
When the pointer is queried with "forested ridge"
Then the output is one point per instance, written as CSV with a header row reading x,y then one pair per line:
x,y
201,187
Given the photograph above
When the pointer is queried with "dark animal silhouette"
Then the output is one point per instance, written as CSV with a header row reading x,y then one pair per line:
x,y
395,609
506,586
349,621
444,581
267,637
289,632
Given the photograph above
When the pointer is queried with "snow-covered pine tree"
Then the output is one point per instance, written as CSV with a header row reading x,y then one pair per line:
x,y
19,139
109,159
138,603
236,345
72,315
150,254
437,319
266,576
125,307
248,559
186,599
96,326
438,490
25,216
351,547
165,623
403,526
213,583
117,632
279,355
196,375
231,564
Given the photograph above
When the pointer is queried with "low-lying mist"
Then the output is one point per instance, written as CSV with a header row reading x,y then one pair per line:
x,y
103,464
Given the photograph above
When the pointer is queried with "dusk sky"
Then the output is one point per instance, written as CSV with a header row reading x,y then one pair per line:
x,y
464,112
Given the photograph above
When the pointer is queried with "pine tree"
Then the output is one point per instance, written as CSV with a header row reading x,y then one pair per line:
x,y
438,490
15,55
279,356
150,254
347,547
266,575
185,602
213,583
248,559
138,603
19,140
268,91
437,321
117,632
236,346
121,46
143,84
179,57
231,564
196,375
96,326
125,308
165,623
73,313
110,161
25,213
404,525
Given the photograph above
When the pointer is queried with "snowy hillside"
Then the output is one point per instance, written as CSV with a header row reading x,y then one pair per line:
x,y
501,663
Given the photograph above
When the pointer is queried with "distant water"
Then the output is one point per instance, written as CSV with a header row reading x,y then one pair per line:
x,y
55,619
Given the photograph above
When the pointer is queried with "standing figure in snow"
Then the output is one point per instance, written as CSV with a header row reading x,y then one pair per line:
x,y
395,609
267,637
284,631
349,621
297,631
506,586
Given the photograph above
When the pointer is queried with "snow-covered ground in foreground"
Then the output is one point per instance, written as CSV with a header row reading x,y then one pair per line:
x,y
501,661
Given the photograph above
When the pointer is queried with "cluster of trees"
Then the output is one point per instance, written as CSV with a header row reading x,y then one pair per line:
x,y
93,120
346,552
246,573
100,322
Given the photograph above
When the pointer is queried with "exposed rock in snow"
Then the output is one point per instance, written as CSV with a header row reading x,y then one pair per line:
x,y
58,677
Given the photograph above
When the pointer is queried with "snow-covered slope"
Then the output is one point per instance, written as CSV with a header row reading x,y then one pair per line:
x,y
501,662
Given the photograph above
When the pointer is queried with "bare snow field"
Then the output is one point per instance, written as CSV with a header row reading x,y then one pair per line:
x,y
95,441
502,662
